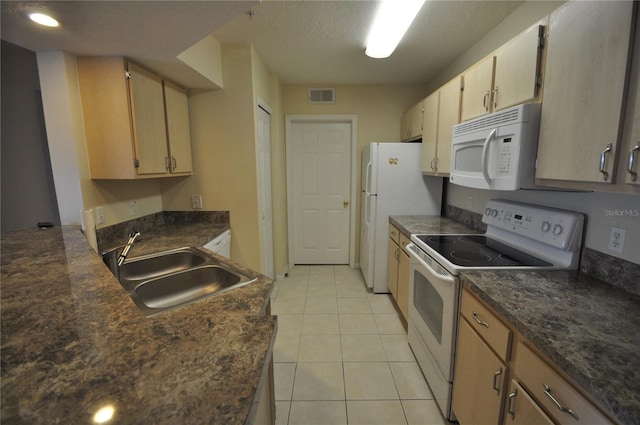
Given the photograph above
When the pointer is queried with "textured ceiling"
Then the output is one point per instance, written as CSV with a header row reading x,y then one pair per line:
x,y
302,41
324,41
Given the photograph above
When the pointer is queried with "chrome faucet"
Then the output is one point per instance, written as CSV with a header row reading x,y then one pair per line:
x,y
125,251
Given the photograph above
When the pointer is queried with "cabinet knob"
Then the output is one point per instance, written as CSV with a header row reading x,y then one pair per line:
x,y
345,203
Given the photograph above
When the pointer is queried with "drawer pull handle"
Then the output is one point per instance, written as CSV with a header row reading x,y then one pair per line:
x,y
478,321
547,392
510,406
494,382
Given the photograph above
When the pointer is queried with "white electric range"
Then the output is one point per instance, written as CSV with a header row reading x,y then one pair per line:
x,y
518,236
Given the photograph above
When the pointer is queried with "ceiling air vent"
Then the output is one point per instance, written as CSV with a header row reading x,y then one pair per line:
x,y
322,95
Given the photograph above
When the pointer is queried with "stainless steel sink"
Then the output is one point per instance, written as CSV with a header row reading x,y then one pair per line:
x,y
186,286
170,279
154,265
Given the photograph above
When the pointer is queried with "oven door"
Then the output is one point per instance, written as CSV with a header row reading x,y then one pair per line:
x,y
433,308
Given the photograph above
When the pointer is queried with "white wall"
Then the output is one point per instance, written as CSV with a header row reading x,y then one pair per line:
x,y
65,131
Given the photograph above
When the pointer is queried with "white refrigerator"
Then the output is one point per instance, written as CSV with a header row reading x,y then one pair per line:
x,y
391,184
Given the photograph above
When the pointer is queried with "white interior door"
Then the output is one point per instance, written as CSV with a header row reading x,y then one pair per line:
x,y
264,142
321,167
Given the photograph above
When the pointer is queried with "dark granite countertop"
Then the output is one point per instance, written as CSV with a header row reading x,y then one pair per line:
x,y
74,342
588,328
416,224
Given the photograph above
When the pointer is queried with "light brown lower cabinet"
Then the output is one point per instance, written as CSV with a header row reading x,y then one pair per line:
x,y
398,264
479,383
522,409
489,353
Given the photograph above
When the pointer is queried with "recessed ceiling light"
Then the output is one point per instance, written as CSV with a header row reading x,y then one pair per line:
x,y
392,20
42,19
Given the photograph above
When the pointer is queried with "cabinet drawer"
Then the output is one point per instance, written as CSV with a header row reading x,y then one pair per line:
x,y
404,241
545,385
486,324
394,233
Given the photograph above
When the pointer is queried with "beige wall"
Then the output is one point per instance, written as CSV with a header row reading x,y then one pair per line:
x,y
224,160
378,108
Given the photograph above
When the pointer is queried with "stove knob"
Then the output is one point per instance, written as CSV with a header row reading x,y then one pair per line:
x,y
494,213
487,211
545,226
557,229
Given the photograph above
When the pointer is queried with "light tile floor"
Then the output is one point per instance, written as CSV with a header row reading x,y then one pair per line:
x,y
341,354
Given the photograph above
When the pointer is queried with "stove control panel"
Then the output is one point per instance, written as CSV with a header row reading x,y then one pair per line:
x,y
558,228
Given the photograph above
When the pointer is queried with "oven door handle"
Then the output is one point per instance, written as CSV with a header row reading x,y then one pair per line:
x,y
442,276
485,154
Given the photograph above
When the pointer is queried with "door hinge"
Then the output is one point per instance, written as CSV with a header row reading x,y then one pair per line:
x,y
539,80
128,75
541,36
462,85
136,163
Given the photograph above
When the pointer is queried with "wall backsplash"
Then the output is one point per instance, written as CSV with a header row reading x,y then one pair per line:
x,y
117,234
612,270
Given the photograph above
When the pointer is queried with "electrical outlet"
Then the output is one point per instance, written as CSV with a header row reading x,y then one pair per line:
x,y
196,201
99,215
133,207
616,239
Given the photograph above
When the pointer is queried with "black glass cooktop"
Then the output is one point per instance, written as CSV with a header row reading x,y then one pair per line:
x,y
479,251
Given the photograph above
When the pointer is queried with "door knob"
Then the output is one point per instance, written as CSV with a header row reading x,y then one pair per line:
x,y
345,204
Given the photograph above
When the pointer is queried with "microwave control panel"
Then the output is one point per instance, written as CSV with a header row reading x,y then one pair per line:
x,y
505,161
550,226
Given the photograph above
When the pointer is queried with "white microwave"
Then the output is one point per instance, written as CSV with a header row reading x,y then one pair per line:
x,y
497,151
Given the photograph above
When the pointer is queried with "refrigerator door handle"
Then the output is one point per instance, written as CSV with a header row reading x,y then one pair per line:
x,y
367,186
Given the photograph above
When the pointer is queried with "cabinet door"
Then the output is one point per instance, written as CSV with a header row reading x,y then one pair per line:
x,y
517,69
392,268
630,153
417,114
412,122
149,127
405,125
177,111
478,82
522,409
430,132
403,283
586,62
448,116
478,381
106,114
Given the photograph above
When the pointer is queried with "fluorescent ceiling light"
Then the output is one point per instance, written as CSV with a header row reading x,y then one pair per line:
x,y
42,19
392,20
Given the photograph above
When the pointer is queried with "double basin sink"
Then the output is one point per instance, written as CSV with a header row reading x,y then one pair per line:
x,y
171,279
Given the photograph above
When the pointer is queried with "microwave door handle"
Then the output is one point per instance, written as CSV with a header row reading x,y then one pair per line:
x,y
485,153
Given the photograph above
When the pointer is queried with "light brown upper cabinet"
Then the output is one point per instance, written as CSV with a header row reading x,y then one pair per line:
x,y
585,79
126,121
508,77
179,138
441,113
478,81
411,122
